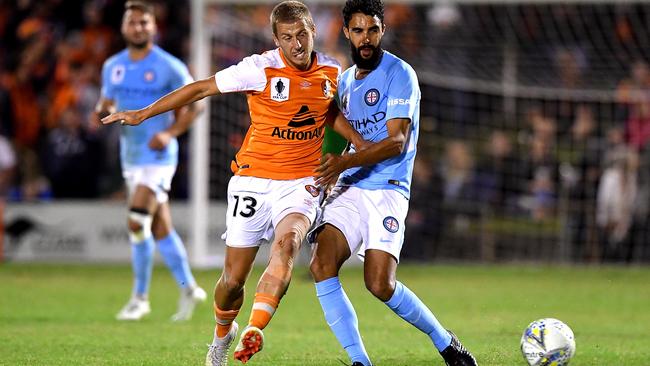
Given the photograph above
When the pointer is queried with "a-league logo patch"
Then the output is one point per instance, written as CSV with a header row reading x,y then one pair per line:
x,y
391,224
313,190
372,97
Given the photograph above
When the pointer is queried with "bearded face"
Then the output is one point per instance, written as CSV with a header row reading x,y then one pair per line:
x,y
364,33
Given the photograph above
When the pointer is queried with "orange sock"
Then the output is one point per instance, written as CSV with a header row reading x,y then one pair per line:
x,y
224,320
263,309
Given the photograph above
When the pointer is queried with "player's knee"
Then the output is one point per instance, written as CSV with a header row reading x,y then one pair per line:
x,y
288,246
139,223
231,284
380,288
322,269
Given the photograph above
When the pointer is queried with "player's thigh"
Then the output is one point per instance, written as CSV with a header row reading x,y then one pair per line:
x,y
331,250
341,221
379,269
384,213
143,198
146,181
296,196
289,234
249,214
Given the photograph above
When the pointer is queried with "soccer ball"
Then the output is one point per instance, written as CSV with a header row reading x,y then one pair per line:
x,y
548,342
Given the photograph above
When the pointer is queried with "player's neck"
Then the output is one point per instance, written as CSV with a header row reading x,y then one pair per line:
x,y
137,54
361,73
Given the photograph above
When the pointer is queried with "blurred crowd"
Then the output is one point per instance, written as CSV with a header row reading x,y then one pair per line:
x,y
559,166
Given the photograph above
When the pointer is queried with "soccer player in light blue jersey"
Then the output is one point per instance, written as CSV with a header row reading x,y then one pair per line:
x,y
132,79
366,210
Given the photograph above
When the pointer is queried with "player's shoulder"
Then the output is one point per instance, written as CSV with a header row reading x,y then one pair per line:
x,y
347,73
116,58
396,66
323,59
167,57
268,59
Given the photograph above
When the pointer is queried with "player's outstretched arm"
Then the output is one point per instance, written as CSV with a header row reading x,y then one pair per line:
x,y
332,165
187,94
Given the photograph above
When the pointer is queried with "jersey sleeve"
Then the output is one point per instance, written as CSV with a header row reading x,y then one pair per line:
x,y
108,91
403,93
179,74
247,75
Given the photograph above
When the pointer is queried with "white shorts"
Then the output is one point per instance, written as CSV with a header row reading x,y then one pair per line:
x,y
257,205
158,178
369,219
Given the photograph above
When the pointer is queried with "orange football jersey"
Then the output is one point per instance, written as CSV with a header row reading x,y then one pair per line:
x,y
288,110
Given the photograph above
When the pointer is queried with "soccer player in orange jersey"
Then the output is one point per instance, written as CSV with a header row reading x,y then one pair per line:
x,y
290,92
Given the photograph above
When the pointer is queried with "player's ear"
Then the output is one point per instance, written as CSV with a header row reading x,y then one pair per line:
x,y
276,41
346,31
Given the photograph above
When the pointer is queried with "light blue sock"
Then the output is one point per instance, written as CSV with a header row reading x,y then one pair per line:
x,y
410,308
142,262
174,254
341,318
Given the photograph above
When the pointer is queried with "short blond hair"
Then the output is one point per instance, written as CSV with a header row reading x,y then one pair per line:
x,y
290,11
143,6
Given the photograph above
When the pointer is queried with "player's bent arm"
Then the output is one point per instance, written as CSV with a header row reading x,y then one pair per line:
x,y
393,145
332,165
341,126
187,94
184,117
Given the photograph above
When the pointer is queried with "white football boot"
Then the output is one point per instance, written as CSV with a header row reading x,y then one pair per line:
x,y
135,309
218,350
187,302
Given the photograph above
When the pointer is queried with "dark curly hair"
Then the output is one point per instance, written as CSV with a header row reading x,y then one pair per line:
x,y
367,7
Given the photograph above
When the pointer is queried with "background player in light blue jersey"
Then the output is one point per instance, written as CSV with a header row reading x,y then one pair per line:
x,y
132,79
366,210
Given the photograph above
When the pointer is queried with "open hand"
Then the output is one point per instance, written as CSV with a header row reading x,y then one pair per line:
x,y
131,118
329,169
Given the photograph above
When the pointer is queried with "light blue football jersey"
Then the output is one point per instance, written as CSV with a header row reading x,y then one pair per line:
x,y
390,91
136,84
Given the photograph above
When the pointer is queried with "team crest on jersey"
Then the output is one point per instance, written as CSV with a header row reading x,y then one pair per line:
x,y
326,85
372,97
117,74
391,224
149,76
280,89
313,190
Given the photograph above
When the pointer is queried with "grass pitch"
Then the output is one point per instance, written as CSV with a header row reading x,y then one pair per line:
x,y
64,315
